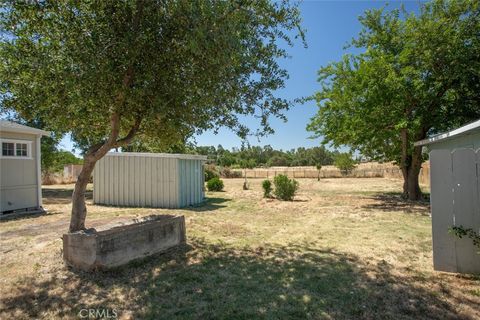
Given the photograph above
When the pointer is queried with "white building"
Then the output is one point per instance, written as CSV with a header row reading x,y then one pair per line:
x,y
455,196
20,171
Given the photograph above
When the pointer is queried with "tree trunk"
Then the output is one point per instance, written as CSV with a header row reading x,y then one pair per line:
x,y
413,187
79,209
411,171
410,165
245,184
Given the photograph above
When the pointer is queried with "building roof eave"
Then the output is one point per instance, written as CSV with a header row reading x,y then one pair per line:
x,y
9,126
466,129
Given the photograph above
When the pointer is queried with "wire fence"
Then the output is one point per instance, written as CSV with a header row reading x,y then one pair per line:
x,y
364,170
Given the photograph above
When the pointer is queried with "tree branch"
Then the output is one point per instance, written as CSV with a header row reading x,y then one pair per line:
x,y
100,149
130,135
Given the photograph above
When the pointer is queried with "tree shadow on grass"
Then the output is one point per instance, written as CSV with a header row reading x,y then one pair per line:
x,y
210,204
61,196
393,202
205,280
29,216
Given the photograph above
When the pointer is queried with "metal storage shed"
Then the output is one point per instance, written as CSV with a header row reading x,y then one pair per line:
x,y
20,171
156,180
455,196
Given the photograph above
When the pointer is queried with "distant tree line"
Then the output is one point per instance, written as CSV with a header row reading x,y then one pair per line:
x,y
266,156
246,156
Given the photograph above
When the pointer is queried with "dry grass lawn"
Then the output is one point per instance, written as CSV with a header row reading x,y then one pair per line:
x,y
344,249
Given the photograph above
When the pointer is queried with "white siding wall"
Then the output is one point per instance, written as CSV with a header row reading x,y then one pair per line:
x,y
148,180
455,200
19,179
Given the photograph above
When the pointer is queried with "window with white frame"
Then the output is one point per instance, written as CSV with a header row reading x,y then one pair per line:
x,y
8,149
21,150
16,148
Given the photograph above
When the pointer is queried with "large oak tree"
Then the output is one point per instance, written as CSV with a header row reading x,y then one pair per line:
x,y
415,75
112,71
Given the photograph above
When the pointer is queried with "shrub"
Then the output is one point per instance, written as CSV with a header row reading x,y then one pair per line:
x,y
215,184
285,188
210,173
267,188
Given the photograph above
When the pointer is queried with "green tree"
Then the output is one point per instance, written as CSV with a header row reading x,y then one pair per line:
x,y
226,159
345,162
111,71
48,149
320,155
417,75
62,158
278,160
149,144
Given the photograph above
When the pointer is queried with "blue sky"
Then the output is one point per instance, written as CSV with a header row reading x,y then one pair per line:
x,y
329,25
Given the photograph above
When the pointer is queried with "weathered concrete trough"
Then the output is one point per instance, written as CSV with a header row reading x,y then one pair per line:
x,y
99,250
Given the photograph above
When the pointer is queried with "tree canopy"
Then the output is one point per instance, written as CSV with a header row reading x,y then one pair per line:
x,y
416,75
112,71
167,69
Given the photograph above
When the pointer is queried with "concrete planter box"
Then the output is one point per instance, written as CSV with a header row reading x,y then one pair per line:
x,y
116,246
